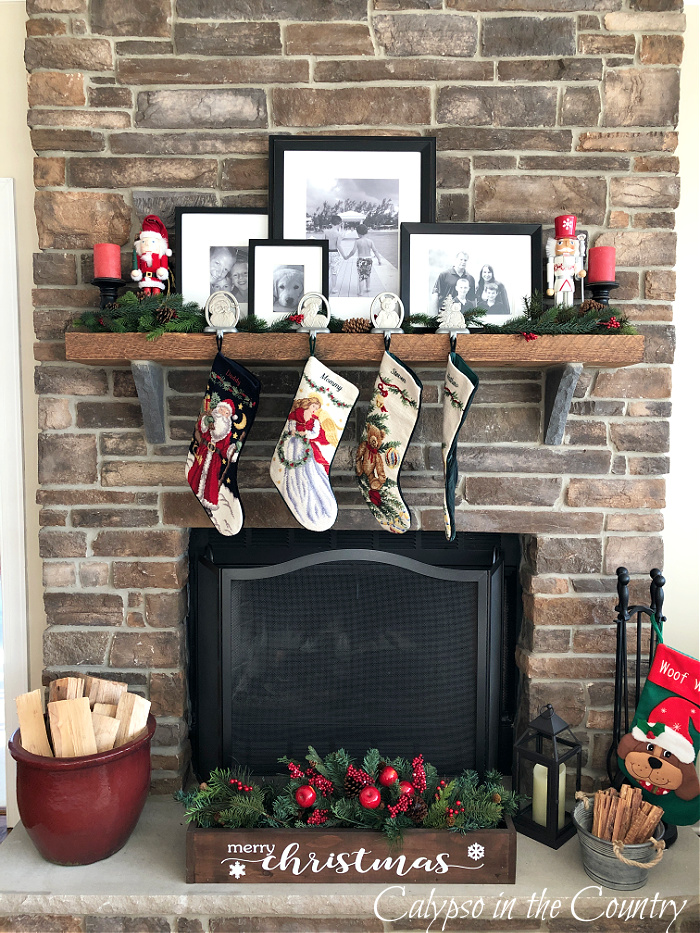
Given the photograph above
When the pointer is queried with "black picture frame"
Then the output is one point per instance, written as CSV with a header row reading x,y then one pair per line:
x,y
199,230
391,179
521,275
274,307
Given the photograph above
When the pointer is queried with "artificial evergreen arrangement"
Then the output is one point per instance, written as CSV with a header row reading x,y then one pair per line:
x,y
153,315
589,317
383,794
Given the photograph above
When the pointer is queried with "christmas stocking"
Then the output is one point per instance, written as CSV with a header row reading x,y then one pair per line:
x,y
228,411
391,419
660,752
458,393
302,460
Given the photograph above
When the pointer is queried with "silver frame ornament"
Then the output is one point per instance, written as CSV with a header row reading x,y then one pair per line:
x,y
377,309
222,313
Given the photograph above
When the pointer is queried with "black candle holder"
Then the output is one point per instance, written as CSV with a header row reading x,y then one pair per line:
x,y
108,290
601,290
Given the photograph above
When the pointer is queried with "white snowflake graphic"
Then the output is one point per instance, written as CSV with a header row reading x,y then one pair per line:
x,y
237,870
475,851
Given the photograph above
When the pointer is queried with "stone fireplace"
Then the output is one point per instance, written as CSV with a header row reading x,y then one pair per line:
x,y
540,109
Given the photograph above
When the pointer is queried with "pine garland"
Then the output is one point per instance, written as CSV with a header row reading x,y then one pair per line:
x,y
154,315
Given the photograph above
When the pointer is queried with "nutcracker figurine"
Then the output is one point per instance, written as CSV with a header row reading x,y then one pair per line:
x,y
151,256
564,260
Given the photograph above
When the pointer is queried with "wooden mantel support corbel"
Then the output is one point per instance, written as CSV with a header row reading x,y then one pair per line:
x,y
149,380
559,386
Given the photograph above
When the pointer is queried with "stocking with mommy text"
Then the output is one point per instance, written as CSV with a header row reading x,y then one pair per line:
x,y
457,395
301,463
228,411
391,420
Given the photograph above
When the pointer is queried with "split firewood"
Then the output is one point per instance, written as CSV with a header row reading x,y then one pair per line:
x,y
71,728
105,728
624,816
105,709
132,713
66,688
104,691
30,713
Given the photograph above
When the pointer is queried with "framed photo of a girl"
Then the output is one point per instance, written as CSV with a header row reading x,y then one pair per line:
x,y
452,266
353,193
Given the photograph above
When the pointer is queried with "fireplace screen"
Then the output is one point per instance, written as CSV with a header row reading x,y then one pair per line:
x,y
351,648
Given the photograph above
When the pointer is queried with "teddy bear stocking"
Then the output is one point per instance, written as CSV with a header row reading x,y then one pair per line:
x,y
391,420
228,410
457,395
301,463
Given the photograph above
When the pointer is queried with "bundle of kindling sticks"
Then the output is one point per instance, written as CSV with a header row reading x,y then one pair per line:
x,y
624,817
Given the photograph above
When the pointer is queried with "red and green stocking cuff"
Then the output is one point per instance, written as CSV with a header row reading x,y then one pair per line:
x,y
391,420
228,411
457,395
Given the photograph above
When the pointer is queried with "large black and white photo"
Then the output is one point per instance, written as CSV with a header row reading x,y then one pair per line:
x,y
354,193
281,272
449,268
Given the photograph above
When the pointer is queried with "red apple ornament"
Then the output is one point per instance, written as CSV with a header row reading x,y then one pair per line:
x,y
388,777
370,798
407,788
305,795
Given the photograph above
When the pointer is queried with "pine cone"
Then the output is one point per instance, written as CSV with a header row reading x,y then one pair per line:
x,y
450,819
496,797
356,325
355,780
590,304
419,810
165,315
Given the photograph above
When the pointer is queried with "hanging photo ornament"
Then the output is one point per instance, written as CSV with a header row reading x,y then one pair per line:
x,y
222,312
313,312
386,314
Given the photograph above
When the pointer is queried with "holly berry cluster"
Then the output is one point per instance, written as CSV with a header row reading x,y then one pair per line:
x,y
239,785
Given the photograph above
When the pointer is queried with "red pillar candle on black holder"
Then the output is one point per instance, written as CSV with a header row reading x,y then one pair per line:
x,y
601,264
108,261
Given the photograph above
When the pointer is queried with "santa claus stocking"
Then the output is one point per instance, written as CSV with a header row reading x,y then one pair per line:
x,y
391,420
301,463
457,395
228,411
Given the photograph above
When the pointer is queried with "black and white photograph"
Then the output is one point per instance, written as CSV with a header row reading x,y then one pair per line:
x,y
212,251
281,272
448,268
353,193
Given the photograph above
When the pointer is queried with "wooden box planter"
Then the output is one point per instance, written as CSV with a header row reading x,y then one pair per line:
x,y
246,856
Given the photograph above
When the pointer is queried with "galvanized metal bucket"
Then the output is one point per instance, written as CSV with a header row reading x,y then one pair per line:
x,y
602,864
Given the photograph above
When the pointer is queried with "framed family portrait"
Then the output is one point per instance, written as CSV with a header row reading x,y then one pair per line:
x,y
212,251
353,193
482,265
281,271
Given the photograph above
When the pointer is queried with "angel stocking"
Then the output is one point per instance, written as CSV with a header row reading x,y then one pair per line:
x,y
228,410
391,419
457,395
301,463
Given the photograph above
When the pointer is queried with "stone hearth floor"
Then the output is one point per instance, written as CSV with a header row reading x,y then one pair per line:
x,y
146,883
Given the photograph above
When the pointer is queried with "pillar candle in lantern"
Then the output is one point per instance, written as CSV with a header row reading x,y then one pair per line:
x,y
539,795
601,264
108,262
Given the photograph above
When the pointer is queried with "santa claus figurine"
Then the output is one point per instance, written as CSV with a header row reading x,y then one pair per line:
x,y
151,256
564,260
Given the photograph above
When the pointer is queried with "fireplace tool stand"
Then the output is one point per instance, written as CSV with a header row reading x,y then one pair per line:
x,y
628,665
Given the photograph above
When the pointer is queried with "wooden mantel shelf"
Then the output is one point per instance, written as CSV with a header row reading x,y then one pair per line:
x,y
563,358
430,350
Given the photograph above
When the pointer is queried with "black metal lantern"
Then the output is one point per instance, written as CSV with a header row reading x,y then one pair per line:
x,y
542,757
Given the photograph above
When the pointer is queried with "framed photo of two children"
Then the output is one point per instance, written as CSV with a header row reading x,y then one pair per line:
x,y
353,193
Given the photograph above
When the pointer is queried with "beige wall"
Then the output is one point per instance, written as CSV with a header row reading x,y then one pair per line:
x,y
16,162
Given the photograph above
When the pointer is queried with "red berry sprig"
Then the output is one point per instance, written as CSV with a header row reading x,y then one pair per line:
x,y
239,785
440,786
401,805
418,782
529,336
294,770
457,810
317,817
613,323
318,781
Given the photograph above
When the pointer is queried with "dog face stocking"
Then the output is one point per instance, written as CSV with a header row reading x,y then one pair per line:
x,y
391,419
228,410
301,463
457,394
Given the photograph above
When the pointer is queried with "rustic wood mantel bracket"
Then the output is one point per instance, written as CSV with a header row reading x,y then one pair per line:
x,y
150,380
559,386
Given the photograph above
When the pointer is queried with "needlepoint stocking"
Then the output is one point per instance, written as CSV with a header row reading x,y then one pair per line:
x,y
228,411
457,395
301,463
391,420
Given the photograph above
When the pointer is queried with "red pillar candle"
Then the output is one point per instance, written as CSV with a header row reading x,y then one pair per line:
x,y
108,261
601,264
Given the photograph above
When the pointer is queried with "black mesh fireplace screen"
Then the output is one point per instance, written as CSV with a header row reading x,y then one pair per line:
x,y
350,647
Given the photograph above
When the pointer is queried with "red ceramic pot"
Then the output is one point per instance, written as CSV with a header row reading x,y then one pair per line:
x,y
81,810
